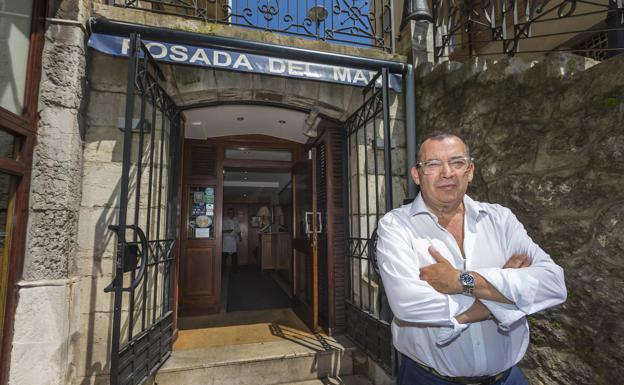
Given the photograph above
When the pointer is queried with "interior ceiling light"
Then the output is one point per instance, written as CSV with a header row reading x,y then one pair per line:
x,y
282,122
240,118
196,124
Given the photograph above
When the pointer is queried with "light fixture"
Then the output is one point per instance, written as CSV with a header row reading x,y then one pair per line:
x,y
196,124
281,121
240,118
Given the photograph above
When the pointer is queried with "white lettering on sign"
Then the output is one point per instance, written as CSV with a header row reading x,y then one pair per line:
x,y
272,66
200,55
179,53
296,68
242,61
218,55
159,55
125,46
359,77
342,74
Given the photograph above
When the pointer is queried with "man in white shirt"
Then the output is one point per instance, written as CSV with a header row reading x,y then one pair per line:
x,y
461,276
231,235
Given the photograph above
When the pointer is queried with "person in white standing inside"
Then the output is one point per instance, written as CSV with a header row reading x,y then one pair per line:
x,y
231,236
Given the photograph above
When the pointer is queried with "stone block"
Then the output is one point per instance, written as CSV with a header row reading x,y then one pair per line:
x,y
335,98
63,64
608,154
42,336
107,73
51,244
93,345
106,108
270,84
88,263
103,144
557,193
190,79
94,237
302,93
199,97
228,80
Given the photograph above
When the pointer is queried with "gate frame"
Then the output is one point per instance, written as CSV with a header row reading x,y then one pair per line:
x,y
142,355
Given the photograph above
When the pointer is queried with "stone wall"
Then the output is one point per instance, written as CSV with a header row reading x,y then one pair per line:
x,y
548,139
46,314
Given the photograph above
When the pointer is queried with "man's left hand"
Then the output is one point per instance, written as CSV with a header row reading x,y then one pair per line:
x,y
442,276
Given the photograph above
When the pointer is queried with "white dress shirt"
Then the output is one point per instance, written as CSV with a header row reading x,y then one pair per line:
x,y
231,237
424,326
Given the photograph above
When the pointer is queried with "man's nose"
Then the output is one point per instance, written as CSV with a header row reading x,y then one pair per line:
x,y
446,169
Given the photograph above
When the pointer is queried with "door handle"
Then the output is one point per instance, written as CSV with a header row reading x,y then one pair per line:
x,y
144,257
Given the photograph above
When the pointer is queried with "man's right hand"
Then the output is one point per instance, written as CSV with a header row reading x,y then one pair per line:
x,y
518,261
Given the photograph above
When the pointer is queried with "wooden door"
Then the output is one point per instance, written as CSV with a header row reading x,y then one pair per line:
x,y
305,267
200,263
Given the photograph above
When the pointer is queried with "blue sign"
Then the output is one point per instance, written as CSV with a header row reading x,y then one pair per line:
x,y
242,62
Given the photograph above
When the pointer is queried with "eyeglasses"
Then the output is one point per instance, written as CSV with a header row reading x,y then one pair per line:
x,y
434,166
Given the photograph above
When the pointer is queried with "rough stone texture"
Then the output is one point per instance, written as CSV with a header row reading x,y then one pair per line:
x,y
547,139
57,159
45,329
46,319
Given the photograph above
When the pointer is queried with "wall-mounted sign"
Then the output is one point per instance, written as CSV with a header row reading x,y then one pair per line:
x,y
242,62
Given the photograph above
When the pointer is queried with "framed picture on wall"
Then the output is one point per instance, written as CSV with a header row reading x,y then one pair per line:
x,y
256,221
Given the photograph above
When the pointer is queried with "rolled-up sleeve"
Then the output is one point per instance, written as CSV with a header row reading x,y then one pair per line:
x,y
531,289
411,299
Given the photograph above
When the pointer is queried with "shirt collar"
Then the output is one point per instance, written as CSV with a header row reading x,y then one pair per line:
x,y
473,209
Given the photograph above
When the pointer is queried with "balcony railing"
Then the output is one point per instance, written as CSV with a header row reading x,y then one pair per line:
x,y
464,28
365,23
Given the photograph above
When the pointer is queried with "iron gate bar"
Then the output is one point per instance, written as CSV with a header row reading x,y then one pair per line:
x,y
123,202
144,352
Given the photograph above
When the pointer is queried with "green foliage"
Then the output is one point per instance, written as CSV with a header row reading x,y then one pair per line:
x,y
612,102
570,65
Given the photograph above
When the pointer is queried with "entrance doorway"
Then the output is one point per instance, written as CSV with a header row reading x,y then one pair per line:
x,y
258,275
244,262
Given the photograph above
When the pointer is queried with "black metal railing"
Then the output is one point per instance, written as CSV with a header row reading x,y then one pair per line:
x,y
142,288
367,23
369,194
465,28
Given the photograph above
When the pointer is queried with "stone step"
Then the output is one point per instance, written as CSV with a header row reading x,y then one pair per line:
x,y
305,358
346,380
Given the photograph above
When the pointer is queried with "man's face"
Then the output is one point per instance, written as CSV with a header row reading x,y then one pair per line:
x,y
230,213
447,186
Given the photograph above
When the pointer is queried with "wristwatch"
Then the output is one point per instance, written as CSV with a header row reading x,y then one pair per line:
x,y
467,281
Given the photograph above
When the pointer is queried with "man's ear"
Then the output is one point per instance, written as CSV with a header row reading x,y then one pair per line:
x,y
415,175
471,172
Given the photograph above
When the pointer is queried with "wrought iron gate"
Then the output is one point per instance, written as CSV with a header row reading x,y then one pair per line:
x,y
144,264
369,195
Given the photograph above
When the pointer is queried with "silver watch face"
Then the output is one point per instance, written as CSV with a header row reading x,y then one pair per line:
x,y
467,279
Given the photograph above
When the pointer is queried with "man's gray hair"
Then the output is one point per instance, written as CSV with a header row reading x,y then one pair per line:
x,y
440,135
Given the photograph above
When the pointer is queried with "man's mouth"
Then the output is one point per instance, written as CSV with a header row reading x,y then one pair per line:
x,y
447,186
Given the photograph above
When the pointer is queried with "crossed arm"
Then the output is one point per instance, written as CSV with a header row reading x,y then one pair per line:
x,y
428,295
444,278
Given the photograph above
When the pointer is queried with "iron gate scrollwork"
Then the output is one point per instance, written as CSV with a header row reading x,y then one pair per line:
x,y
144,262
369,196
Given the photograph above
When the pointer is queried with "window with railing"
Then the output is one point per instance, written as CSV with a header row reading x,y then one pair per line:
x,y
493,29
366,23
